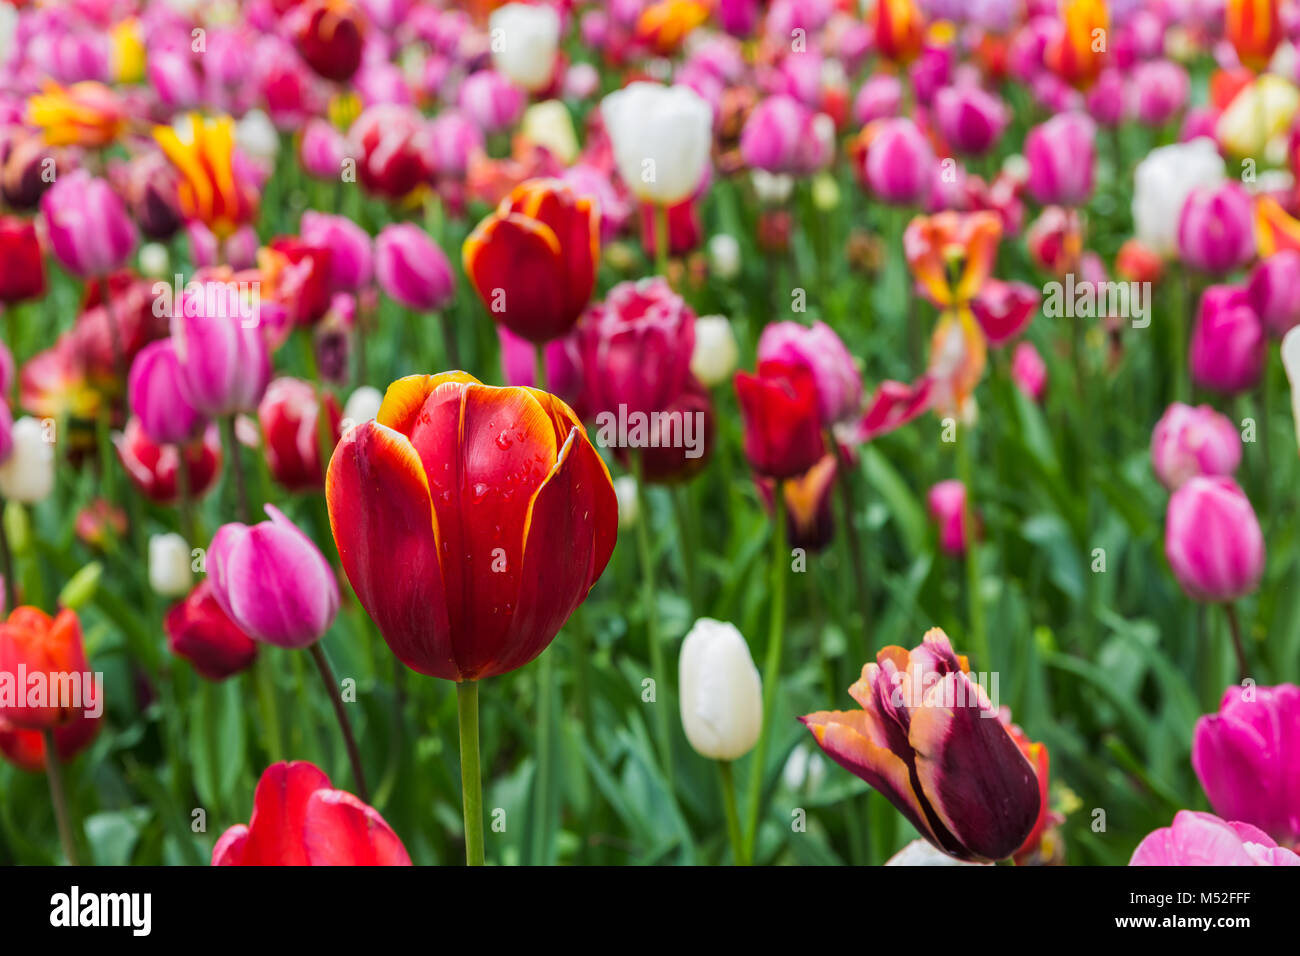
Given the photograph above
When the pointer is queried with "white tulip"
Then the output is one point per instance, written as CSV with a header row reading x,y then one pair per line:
x,y
922,853
721,692
771,189
257,136
524,41
154,260
8,28
661,137
716,354
549,124
27,475
628,506
724,256
1161,184
1291,362
169,565
362,406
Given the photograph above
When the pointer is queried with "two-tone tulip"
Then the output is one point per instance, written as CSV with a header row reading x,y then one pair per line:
x,y
89,230
1254,28
447,511
203,152
329,36
154,467
898,29
533,261
388,141
222,356
1072,51
929,740
155,395
1191,441
87,113
289,414
823,353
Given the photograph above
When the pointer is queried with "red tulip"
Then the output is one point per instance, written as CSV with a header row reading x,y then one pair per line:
x,y
48,651
329,37
290,417
296,275
389,143
300,820
153,467
533,261
202,633
25,749
1004,309
449,511
22,269
783,432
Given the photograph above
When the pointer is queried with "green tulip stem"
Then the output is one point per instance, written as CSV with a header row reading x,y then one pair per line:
x,y
651,618
7,564
975,605
661,239
772,665
471,780
58,798
345,725
236,466
1239,648
729,807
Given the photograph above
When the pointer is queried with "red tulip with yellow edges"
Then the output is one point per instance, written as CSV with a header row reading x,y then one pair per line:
x,y
533,261
83,114
899,29
471,521
1254,29
1077,52
929,740
203,153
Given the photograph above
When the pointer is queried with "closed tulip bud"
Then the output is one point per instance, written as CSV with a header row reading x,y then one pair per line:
x,y
1106,100
724,256
1162,88
1245,758
156,397
629,506
1274,293
362,406
946,503
289,414
1216,231
1162,182
329,37
202,633
322,149
153,467
27,475
1060,154
661,136
1191,441
970,119
1029,371
223,360
898,162
448,511
782,419
411,268
49,649
880,97
721,693
22,267
1258,116
350,261
89,230
1136,263
533,261
295,276
169,565
1229,344
898,29
273,581
636,348
1004,309
1212,540
1254,28
928,739
1202,839
300,820
782,135
821,351
388,141
529,40
715,354
491,100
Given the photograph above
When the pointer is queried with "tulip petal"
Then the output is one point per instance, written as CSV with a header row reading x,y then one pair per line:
x,y
279,809
388,539
230,848
406,397
340,830
518,268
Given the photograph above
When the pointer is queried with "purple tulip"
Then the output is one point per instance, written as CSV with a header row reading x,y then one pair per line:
x,y
1060,154
1216,230
1202,839
491,101
1275,293
1247,757
88,226
899,163
783,135
273,582
1191,441
1212,540
1161,88
970,119
1229,344
222,357
411,269
156,398
820,350
880,97
349,246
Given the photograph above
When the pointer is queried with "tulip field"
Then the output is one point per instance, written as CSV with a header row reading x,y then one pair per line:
x,y
688,432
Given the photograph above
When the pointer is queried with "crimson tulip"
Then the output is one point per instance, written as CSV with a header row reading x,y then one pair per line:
x,y
22,268
329,37
289,414
783,430
202,633
40,646
153,467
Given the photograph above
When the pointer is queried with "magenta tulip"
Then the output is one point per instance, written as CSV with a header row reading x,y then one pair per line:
x,y
1060,154
1247,757
1213,540
1229,344
946,503
970,119
1202,839
349,245
1216,232
491,101
89,230
1004,309
1191,441
156,397
821,351
412,269
222,359
899,163
272,581
782,135
453,141
1161,89
881,96
1275,293
322,149
1029,371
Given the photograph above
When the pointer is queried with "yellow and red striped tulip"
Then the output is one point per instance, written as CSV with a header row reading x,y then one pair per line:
x,y
203,153
83,114
1254,29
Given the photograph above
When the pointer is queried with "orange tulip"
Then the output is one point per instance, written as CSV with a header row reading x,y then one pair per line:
x,y
209,190
83,114
42,670
952,254
1254,29
899,29
1077,52
1275,228
664,25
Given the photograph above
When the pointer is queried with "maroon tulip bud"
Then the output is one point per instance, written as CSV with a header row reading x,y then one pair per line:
x,y
199,631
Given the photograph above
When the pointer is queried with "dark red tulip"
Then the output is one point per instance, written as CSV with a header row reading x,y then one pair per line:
x,y
202,633
329,35
783,431
22,268
810,524
389,142
668,458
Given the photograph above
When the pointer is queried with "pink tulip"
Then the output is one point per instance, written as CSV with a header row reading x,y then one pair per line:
x,y
946,502
1191,441
1212,539
349,246
156,398
411,269
1247,757
453,142
1004,309
1029,371
222,360
1060,154
89,230
1275,293
899,163
1161,88
821,351
273,582
1216,232
322,149
1229,344
782,135
1202,839
1105,101
970,119
491,101
881,96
